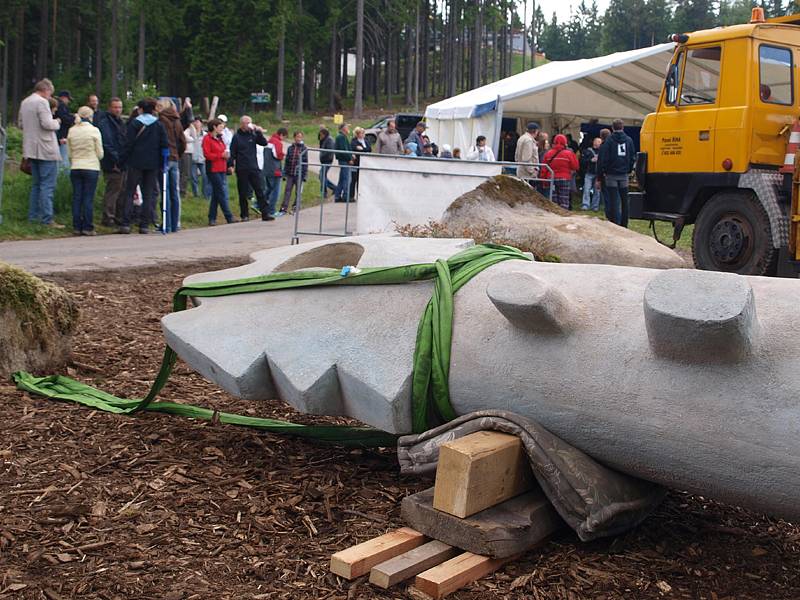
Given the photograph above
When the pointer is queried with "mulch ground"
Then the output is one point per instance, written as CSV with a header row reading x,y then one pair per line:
x,y
94,505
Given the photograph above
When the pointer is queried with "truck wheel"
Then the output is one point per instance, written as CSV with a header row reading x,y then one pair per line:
x,y
733,234
371,139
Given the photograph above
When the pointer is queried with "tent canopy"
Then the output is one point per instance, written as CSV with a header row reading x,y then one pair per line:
x,y
624,85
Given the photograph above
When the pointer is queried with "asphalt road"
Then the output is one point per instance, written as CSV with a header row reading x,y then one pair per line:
x,y
119,251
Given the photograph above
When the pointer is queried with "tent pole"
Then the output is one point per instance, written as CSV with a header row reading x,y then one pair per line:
x,y
498,126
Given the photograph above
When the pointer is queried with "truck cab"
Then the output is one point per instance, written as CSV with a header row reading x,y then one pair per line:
x,y
713,153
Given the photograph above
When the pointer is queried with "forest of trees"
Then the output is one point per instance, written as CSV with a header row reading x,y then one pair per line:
x,y
297,49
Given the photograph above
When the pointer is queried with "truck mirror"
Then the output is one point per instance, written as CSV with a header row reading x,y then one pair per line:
x,y
671,85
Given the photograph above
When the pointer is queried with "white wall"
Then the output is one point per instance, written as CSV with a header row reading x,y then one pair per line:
x,y
412,190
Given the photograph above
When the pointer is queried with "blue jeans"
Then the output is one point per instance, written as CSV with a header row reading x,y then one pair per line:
x,y
84,184
325,184
199,177
217,196
64,165
273,191
40,201
173,199
342,191
618,202
590,195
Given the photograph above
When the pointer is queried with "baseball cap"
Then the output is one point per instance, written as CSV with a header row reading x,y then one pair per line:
x,y
533,125
63,93
223,118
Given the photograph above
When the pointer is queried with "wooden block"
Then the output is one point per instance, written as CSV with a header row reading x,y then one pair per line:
x,y
457,572
411,563
359,559
503,530
478,471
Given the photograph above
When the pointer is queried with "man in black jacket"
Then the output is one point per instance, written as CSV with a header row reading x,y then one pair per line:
x,y
244,160
67,121
112,130
145,149
616,161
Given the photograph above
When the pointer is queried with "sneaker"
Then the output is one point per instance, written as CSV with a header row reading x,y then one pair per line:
x,y
88,232
234,220
280,213
124,229
77,232
211,223
245,219
144,230
268,218
54,225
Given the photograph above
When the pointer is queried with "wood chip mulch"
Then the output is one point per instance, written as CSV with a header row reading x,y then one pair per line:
x,y
95,505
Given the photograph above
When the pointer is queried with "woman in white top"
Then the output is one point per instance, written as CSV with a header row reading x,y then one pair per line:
x,y
85,149
480,151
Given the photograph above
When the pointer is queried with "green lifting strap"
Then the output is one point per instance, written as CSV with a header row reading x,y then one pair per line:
x,y
430,394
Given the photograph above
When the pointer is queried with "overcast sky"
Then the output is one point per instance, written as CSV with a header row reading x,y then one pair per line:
x,y
562,7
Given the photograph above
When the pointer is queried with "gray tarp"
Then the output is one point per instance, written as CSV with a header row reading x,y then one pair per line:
x,y
593,499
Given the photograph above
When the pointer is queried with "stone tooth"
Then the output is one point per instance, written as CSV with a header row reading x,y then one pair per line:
x,y
699,316
309,386
530,303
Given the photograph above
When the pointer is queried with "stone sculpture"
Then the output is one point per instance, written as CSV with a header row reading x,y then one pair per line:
x,y
684,378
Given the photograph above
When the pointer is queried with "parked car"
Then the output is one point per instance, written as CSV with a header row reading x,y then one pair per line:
x,y
405,123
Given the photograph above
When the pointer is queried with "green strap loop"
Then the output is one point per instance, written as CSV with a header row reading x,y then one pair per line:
x,y
430,396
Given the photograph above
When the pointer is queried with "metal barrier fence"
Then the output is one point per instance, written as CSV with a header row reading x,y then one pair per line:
x,y
3,152
324,169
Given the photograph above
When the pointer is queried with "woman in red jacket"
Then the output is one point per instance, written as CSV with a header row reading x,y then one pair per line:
x,y
216,167
564,164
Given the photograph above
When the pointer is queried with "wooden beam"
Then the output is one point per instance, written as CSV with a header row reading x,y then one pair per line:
x,y
359,559
478,471
457,572
411,563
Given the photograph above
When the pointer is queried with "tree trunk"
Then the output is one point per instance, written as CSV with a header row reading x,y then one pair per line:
x,y
16,79
4,84
388,69
298,94
409,67
41,57
53,45
140,65
358,104
311,86
416,61
334,70
114,45
280,92
98,48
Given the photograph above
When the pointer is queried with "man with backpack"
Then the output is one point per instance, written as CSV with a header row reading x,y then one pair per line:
x,y
145,142
273,171
589,157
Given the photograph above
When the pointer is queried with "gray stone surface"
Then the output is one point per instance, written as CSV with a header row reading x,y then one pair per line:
x,y
503,530
612,381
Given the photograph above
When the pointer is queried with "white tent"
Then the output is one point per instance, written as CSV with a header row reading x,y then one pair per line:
x,y
625,85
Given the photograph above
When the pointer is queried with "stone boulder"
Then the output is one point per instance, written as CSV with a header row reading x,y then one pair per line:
x,y
37,320
506,210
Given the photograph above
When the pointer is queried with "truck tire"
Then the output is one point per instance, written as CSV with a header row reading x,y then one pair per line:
x,y
733,234
371,139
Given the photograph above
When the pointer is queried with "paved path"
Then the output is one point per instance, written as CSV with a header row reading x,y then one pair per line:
x,y
118,251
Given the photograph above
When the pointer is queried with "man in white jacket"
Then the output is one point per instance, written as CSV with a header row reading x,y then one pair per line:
x,y
40,146
480,151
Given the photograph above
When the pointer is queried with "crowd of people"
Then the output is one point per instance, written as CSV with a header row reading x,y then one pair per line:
x,y
163,149
602,164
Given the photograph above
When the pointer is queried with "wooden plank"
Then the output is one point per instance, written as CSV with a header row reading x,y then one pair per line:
x,y
359,559
506,529
411,563
457,572
478,471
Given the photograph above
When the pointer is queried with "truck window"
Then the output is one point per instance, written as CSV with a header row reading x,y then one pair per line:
x,y
701,76
775,75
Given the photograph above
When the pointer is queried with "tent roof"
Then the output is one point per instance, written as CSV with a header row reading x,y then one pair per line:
x,y
621,85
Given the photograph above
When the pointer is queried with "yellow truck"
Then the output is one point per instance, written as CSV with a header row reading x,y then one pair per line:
x,y
719,151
